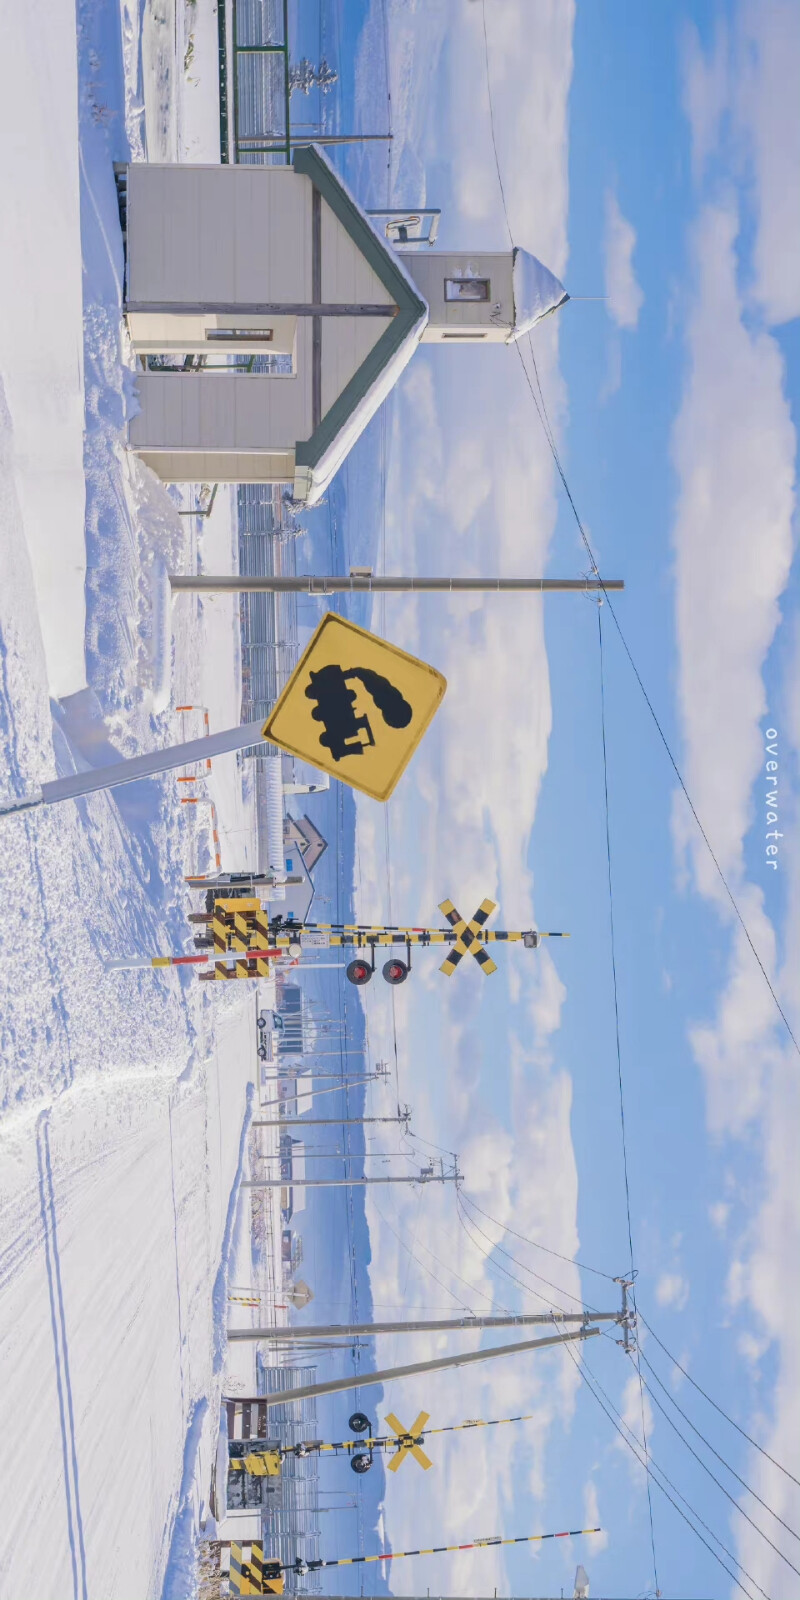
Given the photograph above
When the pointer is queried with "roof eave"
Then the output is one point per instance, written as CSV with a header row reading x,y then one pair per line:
x,y
405,327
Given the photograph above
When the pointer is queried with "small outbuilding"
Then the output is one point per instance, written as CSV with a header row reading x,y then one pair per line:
x,y
272,318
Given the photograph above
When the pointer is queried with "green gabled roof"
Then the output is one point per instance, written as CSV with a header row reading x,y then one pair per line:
x,y
411,313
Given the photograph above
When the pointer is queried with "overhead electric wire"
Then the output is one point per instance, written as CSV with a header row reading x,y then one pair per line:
x,y
542,413
657,1473
464,1220
722,1413
491,123
652,1469
554,1286
619,1070
734,1502
401,1241
534,1243
709,1446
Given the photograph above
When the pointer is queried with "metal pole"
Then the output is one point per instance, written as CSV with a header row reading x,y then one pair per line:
x,y
333,138
361,583
354,1330
362,1380
337,1183
320,1122
146,766
341,1083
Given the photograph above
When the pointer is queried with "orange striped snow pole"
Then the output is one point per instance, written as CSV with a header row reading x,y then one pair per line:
x,y
202,958
301,1567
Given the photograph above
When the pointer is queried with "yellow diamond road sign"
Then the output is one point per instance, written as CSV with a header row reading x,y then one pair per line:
x,y
356,707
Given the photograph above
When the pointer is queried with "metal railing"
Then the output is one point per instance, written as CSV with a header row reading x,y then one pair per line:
x,y
254,81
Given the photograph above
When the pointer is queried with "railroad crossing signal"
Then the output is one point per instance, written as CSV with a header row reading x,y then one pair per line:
x,y
356,707
240,932
468,937
409,1441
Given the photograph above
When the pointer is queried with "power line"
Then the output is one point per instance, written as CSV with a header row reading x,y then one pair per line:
x,y
619,1072
721,1486
529,1270
542,413
652,1470
657,1473
491,122
466,1222
401,1241
534,1243
723,1414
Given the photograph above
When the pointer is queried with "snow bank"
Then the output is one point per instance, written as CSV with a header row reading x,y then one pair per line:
x,y
41,350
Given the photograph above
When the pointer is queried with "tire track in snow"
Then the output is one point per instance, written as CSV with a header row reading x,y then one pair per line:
x,y
61,1352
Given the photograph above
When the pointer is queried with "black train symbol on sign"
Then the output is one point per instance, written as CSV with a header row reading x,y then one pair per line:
x,y
345,733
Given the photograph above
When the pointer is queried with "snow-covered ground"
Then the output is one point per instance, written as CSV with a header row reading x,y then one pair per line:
x,y
124,1096
116,1204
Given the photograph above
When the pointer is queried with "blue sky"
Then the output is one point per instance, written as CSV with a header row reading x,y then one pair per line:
x,y
647,156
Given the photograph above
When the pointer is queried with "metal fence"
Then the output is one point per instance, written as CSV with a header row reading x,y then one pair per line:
x,y
291,1517
270,646
254,81
268,628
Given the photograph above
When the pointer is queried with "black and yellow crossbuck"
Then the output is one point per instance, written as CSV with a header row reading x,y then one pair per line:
x,y
468,937
409,1441
252,1574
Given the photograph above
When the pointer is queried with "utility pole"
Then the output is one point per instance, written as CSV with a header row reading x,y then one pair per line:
x,y
324,1122
341,1330
364,582
341,1083
362,1380
345,1183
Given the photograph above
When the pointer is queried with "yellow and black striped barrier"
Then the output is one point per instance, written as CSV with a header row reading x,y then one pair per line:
x,y
253,1574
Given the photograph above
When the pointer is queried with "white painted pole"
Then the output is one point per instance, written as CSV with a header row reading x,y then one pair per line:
x,y
150,765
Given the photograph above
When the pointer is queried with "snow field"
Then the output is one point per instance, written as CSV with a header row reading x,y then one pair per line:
x,y
124,1096
114,1205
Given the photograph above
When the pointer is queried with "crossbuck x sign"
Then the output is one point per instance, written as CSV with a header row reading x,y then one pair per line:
x,y
468,937
409,1441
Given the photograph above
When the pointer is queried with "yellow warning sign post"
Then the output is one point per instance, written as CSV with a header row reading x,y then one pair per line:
x,y
356,707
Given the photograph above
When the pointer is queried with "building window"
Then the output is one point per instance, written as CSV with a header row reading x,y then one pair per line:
x,y
463,335
466,288
242,335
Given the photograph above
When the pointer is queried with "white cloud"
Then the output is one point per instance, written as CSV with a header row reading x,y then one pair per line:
x,y
592,1519
769,108
718,1214
735,451
706,90
672,1290
624,296
635,1405
742,103
734,448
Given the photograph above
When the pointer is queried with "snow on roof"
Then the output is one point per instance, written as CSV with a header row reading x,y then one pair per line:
x,y
537,292
310,483
311,478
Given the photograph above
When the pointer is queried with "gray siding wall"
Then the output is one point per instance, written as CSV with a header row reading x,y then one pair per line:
x,y
221,411
429,270
218,233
